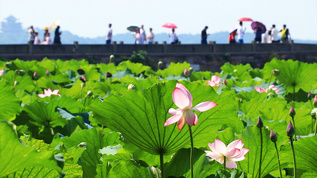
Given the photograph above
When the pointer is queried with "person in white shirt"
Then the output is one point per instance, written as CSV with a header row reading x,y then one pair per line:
x,y
240,33
109,35
274,35
173,37
37,40
150,37
138,37
142,32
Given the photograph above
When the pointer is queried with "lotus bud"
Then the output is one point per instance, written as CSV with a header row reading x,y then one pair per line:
x,y
259,124
108,75
47,72
186,72
292,112
35,76
315,101
82,145
89,93
224,82
235,71
82,85
273,136
191,69
313,113
8,65
15,83
21,72
160,63
111,58
276,72
131,87
290,130
309,96
83,79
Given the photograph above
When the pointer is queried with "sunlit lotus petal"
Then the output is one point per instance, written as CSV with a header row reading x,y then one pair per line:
x,y
1,72
271,87
215,81
233,152
49,92
184,101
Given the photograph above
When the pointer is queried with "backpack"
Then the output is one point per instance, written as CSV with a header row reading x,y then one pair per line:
x,y
284,33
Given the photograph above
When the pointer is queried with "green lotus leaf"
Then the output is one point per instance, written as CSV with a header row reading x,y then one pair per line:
x,y
175,69
251,138
104,68
10,105
240,72
129,169
140,117
121,74
24,65
19,157
294,75
136,68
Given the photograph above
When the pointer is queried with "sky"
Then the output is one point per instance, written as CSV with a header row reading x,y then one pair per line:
x,y
91,18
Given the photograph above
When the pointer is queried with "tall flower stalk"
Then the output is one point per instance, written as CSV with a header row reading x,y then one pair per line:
x,y
290,130
292,114
260,125
273,138
184,113
191,152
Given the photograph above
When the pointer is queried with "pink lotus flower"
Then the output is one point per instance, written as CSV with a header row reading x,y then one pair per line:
x,y
271,87
184,101
215,81
1,72
233,152
49,92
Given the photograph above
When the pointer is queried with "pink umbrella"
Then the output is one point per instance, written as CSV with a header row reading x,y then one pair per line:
x,y
169,25
245,19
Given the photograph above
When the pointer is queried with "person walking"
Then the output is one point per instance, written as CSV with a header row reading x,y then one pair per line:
x,y
31,32
57,37
204,35
274,34
138,37
258,33
240,33
284,34
142,32
150,37
109,35
173,37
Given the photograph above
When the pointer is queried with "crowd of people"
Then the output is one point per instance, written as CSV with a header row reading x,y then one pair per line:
x,y
35,39
271,36
141,37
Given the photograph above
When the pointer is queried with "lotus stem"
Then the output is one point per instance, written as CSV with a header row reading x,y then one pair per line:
x,y
294,161
162,165
294,96
293,120
224,164
278,159
260,162
191,152
315,127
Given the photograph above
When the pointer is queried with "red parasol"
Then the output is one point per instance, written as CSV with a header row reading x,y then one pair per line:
x,y
243,19
169,25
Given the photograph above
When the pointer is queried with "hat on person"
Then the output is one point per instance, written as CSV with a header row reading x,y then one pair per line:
x,y
45,28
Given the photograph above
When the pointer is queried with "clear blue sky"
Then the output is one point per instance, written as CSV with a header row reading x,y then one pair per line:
x,y
91,18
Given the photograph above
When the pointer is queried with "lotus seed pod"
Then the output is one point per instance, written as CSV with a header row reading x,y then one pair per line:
x,y
259,124
273,136
313,113
276,72
108,75
290,130
292,112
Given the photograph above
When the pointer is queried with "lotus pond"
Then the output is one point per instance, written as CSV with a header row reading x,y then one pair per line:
x,y
75,119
